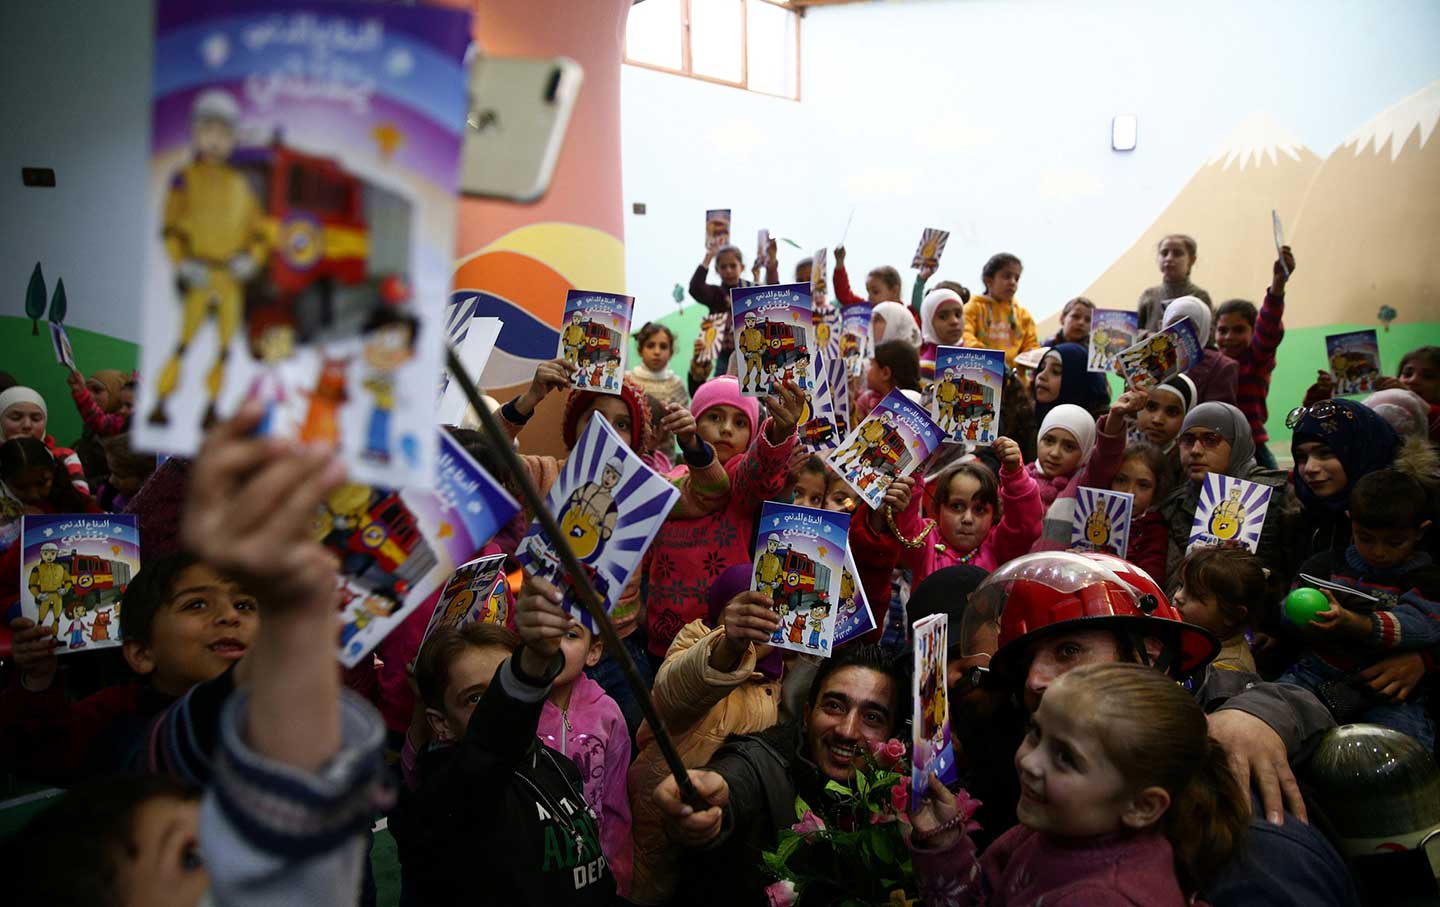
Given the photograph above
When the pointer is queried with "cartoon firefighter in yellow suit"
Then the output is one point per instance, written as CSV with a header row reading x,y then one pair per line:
x,y
590,514
767,568
573,338
1228,517
752,347
49,582
870,434
947,392
214,235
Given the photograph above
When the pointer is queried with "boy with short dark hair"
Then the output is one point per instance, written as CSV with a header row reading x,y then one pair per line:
x,y
183,623
1361,648
1251,338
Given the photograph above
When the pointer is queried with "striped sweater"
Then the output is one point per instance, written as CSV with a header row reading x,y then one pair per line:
x,y
73,467
1257,363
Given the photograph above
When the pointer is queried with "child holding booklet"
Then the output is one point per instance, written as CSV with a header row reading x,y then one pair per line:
x,y
1125,799
1145,474
994,320
583,723
976,519
882,284
689,552
1251,338
729,265
942,323
1216,376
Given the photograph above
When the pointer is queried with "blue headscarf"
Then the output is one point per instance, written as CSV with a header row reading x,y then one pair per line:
x,y
1361,440
1078,385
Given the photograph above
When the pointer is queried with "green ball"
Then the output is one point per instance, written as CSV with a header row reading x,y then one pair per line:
x,y
1303,604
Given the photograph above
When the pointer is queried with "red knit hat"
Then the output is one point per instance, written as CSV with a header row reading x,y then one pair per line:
x,y
579,402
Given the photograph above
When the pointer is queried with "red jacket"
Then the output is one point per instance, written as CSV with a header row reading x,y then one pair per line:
x,y
1149,541
48,737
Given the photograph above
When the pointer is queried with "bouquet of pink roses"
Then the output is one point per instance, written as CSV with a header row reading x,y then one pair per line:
x,y
855,854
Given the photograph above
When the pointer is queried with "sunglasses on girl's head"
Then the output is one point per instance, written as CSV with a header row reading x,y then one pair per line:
x,y
1325,409
1209,440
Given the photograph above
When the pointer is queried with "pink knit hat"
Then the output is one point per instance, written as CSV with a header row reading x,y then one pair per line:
x,y
726,390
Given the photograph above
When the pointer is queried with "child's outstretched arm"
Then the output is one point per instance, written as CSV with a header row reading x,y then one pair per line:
x,y
705,485
1024,513
95,418
1269,330
761,473
942,849
550,375
299,771
841,277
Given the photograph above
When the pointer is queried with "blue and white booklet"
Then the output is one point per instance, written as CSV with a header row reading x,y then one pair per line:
x,y
819,430
856,619
891,442
965,396
799,560
1231,513
594,338
1354,361
398,547
773,327
609,505
1101,521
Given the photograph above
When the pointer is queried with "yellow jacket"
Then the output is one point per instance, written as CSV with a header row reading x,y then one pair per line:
x,y
994,325
701,707
49,578
212,214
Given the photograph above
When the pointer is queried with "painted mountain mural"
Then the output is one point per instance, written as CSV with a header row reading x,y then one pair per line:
x,y
1369,222
1362,220
1226,207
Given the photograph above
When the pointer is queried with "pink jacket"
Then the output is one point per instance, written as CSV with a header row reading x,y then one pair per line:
x,y
592,733
1098,472
688,554
1024,867
1017,530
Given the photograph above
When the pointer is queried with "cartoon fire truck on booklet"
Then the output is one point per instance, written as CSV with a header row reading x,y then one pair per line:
x,y
378,539
341,244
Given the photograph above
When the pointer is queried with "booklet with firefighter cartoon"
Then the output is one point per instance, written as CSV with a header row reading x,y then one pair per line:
x,y
474,594
1111,332
1101,521
799,562
891,442
773,328
74,568
855,618
932,750
300,228
609,505
965,395
398,547
594,337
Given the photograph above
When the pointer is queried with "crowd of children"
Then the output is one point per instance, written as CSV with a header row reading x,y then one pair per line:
x,y
513,762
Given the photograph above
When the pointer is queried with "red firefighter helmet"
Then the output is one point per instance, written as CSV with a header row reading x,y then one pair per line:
x,y
1063,592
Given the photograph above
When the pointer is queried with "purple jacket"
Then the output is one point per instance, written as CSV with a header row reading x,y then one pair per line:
x,y
593,734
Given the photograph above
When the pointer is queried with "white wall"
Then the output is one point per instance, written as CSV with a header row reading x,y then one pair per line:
x,y
991,118
76,79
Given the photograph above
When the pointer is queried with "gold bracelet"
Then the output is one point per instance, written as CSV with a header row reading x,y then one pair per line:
x,y
917,541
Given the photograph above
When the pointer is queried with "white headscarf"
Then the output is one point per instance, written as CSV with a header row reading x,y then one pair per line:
x,y
1075,420
899,323
21,395
1195,309
932,302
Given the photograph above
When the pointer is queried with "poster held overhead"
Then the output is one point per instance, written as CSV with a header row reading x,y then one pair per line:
x,y
717,228
1111,331
773,328
965,396
1354,361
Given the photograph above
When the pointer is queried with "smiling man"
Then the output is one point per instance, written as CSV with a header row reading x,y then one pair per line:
x,y
856,699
